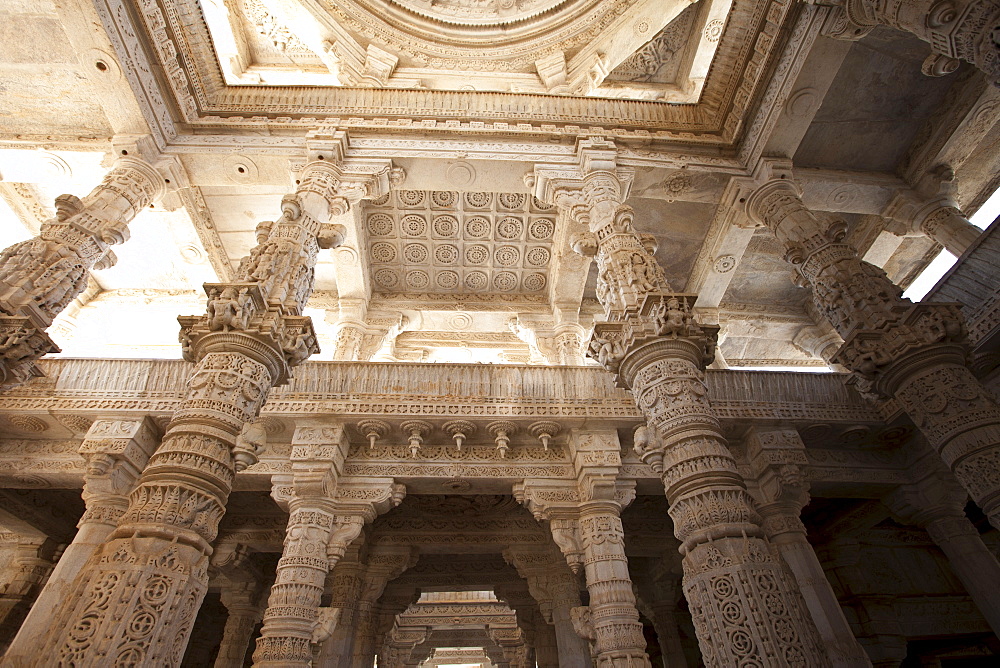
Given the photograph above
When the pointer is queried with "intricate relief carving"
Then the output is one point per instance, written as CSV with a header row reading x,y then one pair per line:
x,y
41,276
441,243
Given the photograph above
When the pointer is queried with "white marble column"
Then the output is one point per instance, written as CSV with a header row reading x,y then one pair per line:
x,y
116,451
245,612
914,353
936,503
778,459
41,276
557,590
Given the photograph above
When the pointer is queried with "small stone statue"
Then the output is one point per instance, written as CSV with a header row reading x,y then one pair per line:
x,y
249,444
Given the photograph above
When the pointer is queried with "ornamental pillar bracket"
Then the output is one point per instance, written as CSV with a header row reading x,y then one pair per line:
x,y
116,451
778,461
955,29
930,209
558,504
592,189
662,316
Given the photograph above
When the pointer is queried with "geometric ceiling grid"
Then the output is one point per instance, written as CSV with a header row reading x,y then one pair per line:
x,y
459,243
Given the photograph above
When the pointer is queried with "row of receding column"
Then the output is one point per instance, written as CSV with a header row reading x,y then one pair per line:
x,y
134,598
588,532
746,605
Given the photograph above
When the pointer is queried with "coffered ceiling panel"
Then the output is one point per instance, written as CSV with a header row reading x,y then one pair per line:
x,y
457,243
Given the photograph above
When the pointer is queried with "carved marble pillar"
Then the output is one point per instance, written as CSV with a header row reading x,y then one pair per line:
x,y
881,634
383,564
915,353
955,29
344,584
325,517
777,457
619,641
155,565
743,603
510,640
242,600
21,579
569,344
557,591
41,276
395,600
546,644
587,520
565,593
936,503
116,451
657,600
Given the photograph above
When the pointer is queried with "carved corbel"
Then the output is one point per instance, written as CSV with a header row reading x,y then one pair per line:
x,y
558,505
346,530
566,534
319,449
592,189
778,462
930,209
357,502
379,65
552,71
116,452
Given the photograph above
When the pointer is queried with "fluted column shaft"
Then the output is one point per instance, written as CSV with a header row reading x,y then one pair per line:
x,y
41,276
915,353
787,534
619,642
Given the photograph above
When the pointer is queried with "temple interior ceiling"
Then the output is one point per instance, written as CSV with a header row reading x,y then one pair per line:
x,y
474,297
626,48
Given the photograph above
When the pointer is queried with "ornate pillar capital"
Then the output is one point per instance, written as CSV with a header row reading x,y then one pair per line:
x,y
933,498
937,217
592,189
777,458
955,29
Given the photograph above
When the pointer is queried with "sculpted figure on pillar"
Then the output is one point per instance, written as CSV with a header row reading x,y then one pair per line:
x,y
135,600
41,276
956,29
915,353
744,604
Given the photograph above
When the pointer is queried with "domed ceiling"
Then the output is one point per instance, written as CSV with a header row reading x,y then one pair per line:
x,y
642,49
